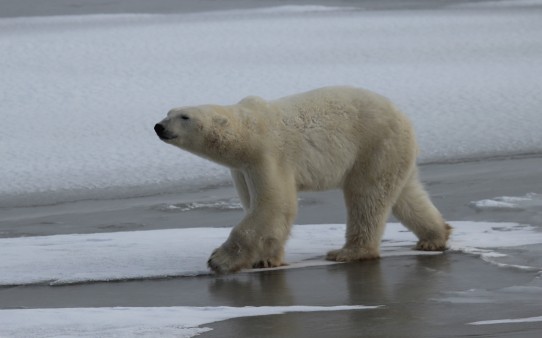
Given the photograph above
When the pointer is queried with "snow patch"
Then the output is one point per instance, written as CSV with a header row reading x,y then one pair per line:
x,y
509,203
222,205
295,9
64,259
508,321
492,236
136,321
506,4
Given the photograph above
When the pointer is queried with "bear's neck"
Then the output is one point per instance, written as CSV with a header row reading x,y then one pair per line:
x,y
228,147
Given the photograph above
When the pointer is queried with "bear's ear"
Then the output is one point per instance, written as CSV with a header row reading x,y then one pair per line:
x,y
252,100
220,121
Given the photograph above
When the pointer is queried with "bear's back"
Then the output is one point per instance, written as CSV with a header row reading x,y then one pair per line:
x,y
323,131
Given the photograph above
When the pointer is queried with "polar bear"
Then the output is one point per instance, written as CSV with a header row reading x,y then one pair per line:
x,y
333,137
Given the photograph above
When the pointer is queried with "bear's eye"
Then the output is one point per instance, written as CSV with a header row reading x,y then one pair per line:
x,y
185,117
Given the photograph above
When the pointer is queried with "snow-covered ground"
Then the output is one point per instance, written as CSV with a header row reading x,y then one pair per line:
x,y
508,321
79,95
65,259
151,322
507,203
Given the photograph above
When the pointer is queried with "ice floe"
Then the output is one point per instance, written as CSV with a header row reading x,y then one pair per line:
x,y
64,259
508,321
508,203
178,321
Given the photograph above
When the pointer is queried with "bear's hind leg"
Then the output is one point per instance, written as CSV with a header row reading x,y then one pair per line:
x,y
416,211
368,207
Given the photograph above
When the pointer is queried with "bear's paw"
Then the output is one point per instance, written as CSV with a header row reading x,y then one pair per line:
x,y
352,254
425,245
268,263
226,260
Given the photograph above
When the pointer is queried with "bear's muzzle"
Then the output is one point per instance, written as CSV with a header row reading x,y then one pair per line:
x,y
162,132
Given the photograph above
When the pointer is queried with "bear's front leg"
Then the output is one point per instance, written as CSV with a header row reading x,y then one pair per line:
x,y
246,249
230,257
347,254
258,241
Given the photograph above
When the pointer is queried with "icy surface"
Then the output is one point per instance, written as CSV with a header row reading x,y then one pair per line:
x,y
529,201
80,95
65,259
135,322
500,4
223,204
508,321
519,294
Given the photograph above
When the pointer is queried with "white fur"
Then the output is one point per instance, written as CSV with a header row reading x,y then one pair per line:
x,y
335,137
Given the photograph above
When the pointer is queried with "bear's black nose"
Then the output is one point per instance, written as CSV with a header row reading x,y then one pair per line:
x,y
163,133
159,129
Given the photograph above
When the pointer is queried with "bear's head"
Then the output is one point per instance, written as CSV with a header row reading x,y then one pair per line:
x,y
202,130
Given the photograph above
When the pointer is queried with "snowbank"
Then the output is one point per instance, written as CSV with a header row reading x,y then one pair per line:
x,y
80,95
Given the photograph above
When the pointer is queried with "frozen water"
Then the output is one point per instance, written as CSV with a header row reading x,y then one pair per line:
x,y
493,205
508,321
517,294
224,204
65,259
179,321
505,203
80,95
500,4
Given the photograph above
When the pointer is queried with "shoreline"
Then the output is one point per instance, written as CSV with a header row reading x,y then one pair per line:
x,y
452,187
28,199
30,8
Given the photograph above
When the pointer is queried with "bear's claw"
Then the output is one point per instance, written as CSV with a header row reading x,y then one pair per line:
x,y
230,258
430,246
435,245
217,268
223,262
263,264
